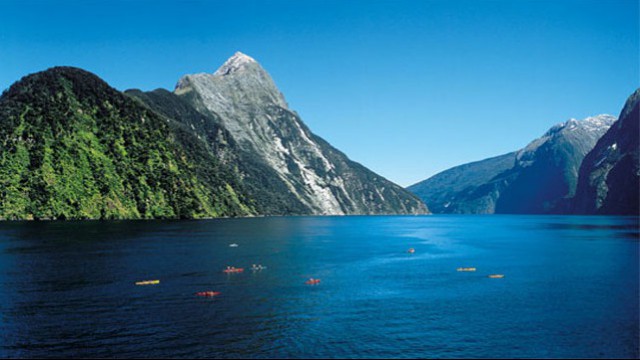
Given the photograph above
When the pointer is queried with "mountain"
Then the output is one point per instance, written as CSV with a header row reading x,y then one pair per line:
x,y
609,175
471,188
72,147
537,179
547,168
225,144
305,170
265,192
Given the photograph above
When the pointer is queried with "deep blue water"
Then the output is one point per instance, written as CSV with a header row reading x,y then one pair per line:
x,y
570,287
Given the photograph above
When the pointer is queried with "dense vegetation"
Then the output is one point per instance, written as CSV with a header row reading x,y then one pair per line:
x,y
71,147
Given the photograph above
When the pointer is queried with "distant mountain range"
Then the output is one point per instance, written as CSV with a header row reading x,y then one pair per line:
x,y
224,144
577,167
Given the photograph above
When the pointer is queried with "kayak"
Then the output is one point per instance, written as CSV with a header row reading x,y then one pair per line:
x,y
208,293
496,276
466,269
313,282
411,251
233,270
148,282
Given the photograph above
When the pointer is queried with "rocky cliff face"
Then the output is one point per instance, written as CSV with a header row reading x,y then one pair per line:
x,y
609,176
251,108
537,179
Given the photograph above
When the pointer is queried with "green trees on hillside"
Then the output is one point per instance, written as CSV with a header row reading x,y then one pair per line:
x,y
71,147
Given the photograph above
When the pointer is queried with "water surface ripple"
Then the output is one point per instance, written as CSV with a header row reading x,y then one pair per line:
x,y
570,287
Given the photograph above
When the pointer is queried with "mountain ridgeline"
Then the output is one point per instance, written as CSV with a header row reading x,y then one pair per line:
x,y
224,144
539,179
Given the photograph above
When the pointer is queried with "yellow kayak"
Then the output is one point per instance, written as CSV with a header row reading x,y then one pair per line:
x,y
466,269
496,276
148,282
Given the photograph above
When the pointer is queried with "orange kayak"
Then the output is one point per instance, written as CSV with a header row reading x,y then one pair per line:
x,y
312,282
233,270
208,293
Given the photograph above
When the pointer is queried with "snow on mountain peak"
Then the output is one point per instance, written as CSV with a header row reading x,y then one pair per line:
x,y
234,63
592,123
603,120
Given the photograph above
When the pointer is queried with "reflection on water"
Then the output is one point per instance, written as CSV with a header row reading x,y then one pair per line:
x,y
570,287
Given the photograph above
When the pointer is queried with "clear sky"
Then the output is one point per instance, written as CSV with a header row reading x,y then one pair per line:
x,y
407,88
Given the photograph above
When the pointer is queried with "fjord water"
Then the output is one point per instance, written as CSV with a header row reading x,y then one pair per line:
x,y
570,287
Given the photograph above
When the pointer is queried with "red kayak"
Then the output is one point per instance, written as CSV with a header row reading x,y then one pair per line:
x,y
313,282
233,270
208,293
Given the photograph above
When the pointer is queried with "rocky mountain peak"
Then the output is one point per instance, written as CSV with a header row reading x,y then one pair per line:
x,y
600,122
235,63
239,84
587,131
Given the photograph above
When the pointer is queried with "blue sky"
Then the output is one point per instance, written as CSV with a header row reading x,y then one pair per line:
x,y
407,88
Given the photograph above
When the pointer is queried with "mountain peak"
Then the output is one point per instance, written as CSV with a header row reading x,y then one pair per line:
x,y
592,123
235,63
240,83
605,120
59,79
